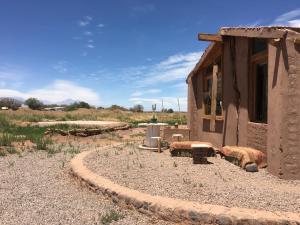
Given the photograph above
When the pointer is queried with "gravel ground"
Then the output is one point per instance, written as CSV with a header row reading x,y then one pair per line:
x,y
219,183
38,189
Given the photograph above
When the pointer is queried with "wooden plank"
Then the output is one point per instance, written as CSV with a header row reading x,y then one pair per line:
x,y
214,98
209,37
263,32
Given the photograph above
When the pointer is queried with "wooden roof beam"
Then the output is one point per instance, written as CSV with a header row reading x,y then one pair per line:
x,y
265,32
210,37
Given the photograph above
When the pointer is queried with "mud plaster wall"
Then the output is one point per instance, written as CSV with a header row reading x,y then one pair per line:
x,y
257,136
168,132
226,130
198,125
290,126
281,137
276,76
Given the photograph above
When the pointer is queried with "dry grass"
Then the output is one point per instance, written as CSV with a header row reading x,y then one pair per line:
x,y
27,115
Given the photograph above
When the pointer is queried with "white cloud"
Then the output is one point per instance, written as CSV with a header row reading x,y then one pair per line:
x,y
294,23
58,91
288,16
12,76
172,69
85,21
61,66
90,46
176,67
150,91
100,25
137,93
88,33
89,18
153,91
169,102
291,18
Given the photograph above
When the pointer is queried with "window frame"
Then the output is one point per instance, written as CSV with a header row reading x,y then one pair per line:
x,y
209,76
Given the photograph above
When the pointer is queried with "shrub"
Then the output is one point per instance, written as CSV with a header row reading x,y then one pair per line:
x,y
6,139
77,105
170,110
34,103
10,103
110,217
117,107
137,108
42,143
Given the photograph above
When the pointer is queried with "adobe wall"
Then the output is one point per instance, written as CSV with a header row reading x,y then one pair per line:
x,y
257,136
233,134
169,131
246,133
280,138
284,130
199,127
226,130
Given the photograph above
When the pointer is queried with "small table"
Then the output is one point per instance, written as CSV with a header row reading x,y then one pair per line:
x,y
200,153
153,130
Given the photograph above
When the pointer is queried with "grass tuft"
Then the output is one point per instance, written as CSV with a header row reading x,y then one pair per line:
x,y
111,216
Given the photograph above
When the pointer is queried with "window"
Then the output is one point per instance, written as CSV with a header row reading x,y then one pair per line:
x,y
207,90
258,95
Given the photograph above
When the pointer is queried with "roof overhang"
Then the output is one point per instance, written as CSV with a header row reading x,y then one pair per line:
x,y
272,32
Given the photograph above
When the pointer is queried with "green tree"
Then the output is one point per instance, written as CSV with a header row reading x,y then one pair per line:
x,y
170,110
77,105
137,108
117,107
10,103
34,103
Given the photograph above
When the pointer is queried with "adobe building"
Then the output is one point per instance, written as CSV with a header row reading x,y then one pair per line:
x,y
245,91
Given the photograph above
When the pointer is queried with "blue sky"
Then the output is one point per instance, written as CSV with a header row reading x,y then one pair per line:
x,y
116,52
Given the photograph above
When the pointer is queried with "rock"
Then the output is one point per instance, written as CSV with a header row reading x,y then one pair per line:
x,y
251,167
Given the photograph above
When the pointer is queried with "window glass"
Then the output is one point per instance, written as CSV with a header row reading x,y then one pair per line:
x,y
261,95
207,94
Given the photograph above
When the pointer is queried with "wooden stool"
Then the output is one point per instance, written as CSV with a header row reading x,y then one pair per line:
x,y
178,137
200,153
158,143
